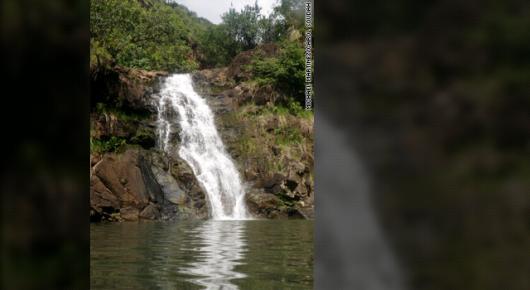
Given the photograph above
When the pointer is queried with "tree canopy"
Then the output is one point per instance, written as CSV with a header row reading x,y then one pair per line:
x,y
163,35
146,34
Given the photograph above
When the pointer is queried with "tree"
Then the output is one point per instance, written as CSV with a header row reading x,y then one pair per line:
x,y
239,31
269,31
292,13
243,27
216,47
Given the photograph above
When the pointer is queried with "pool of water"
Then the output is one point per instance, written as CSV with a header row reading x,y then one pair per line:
x,y
256,254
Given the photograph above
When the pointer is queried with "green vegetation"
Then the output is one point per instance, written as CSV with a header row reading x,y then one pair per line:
x,y
246,29
266,131
147,34
113,144
128,120
290,106
159,35
287,136
285,72
99,56
155,35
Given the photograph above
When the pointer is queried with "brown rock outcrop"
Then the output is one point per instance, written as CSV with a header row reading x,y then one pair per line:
x,y
133,184
122,180
124,87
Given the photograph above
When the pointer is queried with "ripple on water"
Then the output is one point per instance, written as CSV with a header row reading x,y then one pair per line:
x,y
202,255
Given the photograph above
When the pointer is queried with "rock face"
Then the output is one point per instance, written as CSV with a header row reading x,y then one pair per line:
x,y
130,179
150,212
124,87
129,213
138,131
118,182
131,184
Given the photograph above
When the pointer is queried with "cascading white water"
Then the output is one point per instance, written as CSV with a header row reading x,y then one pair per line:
x,y
200,146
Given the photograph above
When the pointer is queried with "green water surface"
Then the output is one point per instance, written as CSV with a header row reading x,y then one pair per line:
x,y
257,254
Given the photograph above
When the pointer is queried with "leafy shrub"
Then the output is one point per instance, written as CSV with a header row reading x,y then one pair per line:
x,y
99,56
216,47
285,72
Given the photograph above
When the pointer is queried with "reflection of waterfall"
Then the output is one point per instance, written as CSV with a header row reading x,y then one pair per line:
x,y
201,147
351,249
222,248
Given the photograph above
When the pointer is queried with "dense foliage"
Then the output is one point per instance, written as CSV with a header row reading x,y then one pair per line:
x,y
238,32
285,72
148,34
155,35
246,29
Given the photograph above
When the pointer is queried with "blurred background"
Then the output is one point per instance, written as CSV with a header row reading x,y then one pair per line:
x,y
44,234
422,144
432,100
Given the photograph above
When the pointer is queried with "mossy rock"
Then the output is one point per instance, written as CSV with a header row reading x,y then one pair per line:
x,y
144,137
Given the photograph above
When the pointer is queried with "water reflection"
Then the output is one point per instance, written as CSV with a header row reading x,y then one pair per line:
x,y
258,254
221,247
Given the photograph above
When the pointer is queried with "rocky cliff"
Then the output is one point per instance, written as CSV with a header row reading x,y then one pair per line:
x,y
132,179
129,177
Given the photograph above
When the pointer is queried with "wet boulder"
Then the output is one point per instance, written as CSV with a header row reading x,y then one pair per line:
x,y
150,212
129,213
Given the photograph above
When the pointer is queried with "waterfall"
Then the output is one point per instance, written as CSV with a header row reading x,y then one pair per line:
x,y
180,108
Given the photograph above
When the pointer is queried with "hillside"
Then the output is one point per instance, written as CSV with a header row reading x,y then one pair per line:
x,y
254,88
